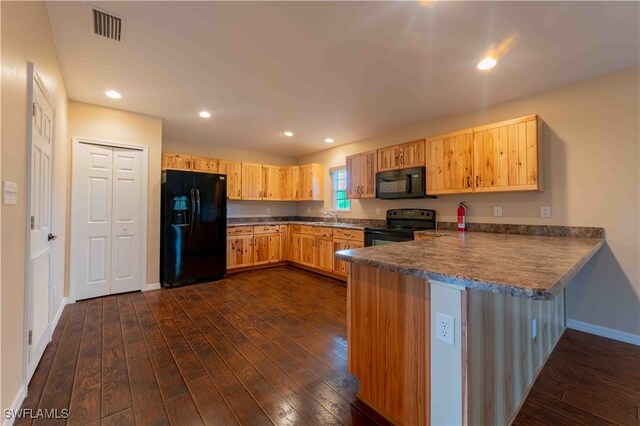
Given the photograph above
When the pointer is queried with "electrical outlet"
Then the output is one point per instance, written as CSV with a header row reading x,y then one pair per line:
x,y
545,211
268,210
445,329
534,329
497,211
377,210
308,209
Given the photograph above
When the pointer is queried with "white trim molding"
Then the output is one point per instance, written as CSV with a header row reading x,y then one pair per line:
x,y
15,406
153,286
56,318
609,333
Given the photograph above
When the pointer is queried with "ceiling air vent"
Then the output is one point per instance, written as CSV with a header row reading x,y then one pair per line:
x,y
107,25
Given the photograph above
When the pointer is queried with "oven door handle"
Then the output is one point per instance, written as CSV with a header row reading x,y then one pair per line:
x,y
409,183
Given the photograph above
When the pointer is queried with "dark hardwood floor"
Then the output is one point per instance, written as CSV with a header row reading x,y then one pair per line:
x,y
269,347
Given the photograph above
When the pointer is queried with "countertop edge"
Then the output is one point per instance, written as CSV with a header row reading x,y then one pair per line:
x,y
493,287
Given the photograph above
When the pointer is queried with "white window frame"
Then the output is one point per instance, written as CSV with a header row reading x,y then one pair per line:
x,y
333,173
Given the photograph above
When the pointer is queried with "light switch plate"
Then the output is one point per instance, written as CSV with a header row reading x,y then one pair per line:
x,y
10,193
497,211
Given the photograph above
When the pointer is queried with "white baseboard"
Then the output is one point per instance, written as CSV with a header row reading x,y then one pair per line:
x,y
154,286
56,318
609,333
15,406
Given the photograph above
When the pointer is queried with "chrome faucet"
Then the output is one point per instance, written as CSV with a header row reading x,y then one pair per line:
x,y
333,214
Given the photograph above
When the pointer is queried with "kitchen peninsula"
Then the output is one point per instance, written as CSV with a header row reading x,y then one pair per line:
x,y
453,328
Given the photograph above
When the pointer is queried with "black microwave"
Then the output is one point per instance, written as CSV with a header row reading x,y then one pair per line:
x,y
403,183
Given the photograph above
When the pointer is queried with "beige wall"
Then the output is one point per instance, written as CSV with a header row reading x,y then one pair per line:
x,y
26,36
240,208
96,122
591,177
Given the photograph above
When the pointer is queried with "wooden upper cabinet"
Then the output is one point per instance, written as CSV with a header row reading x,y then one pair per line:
x,y
202,164
450,163
353,169
311,182
271,183
368,169
233,170
411,154
290,177
251,181
176,161
361,175
388,158
507,155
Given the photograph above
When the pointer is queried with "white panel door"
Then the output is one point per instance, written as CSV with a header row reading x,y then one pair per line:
x,y
126,244
93,198
40,245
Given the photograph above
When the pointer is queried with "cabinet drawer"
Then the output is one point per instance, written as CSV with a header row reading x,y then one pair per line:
x,y
349,234
318,231
266,229
295,229
240,230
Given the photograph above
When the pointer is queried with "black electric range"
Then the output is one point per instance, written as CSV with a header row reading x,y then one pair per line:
x,y
401,224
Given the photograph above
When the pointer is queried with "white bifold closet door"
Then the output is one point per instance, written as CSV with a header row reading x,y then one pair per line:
x,y
108,246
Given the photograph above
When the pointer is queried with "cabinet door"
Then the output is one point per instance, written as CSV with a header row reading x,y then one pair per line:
x,y
274,248
284,242
307,250
260,249
506,156
290,182
353,168
388,158
271,183
411,154
239,251
251,181
176,162
450,167
233,170
340,267
207,165
368,169
295,248
311,182
324,254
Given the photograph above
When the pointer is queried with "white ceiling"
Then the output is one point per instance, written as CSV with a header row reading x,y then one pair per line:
x,y
346,70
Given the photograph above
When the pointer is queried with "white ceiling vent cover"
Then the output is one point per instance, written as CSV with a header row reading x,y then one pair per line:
x,y
106,24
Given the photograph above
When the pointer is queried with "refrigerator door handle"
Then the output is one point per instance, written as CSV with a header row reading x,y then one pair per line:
x,y
198,212
193,210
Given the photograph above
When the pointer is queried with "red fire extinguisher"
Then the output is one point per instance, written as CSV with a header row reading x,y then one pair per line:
x,y
462,219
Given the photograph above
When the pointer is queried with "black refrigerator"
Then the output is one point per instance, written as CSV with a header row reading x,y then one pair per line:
x,y
194,227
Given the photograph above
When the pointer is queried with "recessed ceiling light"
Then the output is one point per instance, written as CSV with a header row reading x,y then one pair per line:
x,y
113,94
204,114
288,133
487,63
328,140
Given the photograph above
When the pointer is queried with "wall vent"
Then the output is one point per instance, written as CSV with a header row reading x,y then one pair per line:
x,y
106,24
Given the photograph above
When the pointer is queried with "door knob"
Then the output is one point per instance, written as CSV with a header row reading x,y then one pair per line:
x,y
51,237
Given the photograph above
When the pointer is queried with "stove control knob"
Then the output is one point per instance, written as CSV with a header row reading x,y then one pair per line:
x,y
422,213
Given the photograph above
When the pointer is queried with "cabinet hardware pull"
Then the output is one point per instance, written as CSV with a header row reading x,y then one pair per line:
x,y
238,192
468,181
477,181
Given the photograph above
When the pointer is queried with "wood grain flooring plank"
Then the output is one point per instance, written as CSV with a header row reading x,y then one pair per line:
x,y
210,403
59,386
116,391
246,410
567,410
123,418
148,405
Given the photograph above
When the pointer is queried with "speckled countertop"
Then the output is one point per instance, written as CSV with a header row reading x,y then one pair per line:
x,y
531,266
289,222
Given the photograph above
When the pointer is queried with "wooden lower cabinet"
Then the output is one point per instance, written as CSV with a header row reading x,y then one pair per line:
x,y
239,251
324,254
307,250
266,249
340,267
